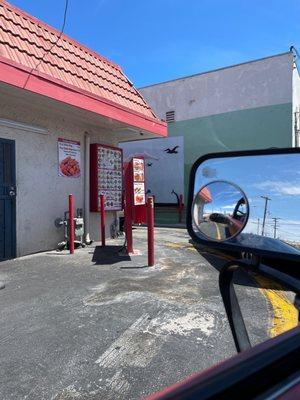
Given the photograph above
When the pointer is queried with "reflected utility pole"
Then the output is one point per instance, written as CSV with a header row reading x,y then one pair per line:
x,y
258,219
265,214
275,226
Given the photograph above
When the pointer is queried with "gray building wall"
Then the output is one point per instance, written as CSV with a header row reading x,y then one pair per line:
x,y
246,106
254,84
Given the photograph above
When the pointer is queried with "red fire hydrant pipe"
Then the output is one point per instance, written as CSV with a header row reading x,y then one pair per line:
x,y
102,219
71,224
150,230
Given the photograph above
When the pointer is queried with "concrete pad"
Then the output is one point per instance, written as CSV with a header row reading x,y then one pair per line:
x,y
74,328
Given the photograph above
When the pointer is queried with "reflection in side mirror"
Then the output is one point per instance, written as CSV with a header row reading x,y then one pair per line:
x,y
220,210
263,217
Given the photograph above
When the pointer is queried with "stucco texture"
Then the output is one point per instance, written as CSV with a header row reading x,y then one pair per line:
x,y
258,83
42,195
255,128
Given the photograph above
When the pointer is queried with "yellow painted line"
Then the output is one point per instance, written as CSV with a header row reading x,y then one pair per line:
x,y
285,314
218,231
181,246
176,245
192,249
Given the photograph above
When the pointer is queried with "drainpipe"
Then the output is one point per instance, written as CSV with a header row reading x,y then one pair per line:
x,y
296,127
87,188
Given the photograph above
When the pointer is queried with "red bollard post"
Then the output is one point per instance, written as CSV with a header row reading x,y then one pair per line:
x,y
128,228
180,208
71,224
150,231
102,219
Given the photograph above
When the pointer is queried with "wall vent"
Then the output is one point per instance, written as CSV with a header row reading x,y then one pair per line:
x,y
170,116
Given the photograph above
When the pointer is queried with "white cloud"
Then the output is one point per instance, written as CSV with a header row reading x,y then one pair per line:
x,y
229,207
284,188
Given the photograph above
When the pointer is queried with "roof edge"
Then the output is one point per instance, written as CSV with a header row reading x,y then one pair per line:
x,y
60,91
57,32
215,70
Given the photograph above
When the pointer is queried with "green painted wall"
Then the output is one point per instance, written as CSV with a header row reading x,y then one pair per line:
x,y
254,128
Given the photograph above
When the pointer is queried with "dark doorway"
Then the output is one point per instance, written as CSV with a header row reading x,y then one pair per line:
x,y
7,200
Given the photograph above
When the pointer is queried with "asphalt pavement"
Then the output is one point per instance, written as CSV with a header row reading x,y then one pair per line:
x,y
99,325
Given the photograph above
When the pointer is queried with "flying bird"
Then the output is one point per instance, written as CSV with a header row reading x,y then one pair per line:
x,y
149,164
172,151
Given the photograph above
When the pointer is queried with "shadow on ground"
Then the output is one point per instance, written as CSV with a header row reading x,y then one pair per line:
x,y
109,255
218,260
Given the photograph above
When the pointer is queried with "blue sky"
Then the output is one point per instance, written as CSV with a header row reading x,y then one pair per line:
x,y
224,198
159,40
275,176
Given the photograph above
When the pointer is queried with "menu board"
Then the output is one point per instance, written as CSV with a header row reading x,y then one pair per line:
x,y
139,181
110,177
106,177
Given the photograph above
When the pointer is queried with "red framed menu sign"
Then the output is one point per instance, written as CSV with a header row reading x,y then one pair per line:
x,y
106,177
138,166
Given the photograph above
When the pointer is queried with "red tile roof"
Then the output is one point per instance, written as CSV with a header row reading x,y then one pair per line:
x,y
26,41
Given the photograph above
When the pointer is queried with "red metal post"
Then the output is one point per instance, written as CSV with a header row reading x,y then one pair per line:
x,y
102,219
128,228
71,224
180,208
150,229
128,205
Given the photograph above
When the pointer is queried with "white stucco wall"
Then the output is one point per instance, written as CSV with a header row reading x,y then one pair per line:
x,y
163,171
42,195
254,84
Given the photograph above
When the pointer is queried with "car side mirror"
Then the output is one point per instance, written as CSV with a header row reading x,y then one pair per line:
x,y
248,202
